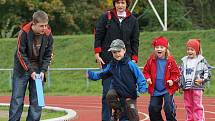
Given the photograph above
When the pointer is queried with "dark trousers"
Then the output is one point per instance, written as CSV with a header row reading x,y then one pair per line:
x,y
106,109
19,86
155,107
124,109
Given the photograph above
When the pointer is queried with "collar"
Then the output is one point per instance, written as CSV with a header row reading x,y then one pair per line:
x,y
121,14
128,13
124,60
199,58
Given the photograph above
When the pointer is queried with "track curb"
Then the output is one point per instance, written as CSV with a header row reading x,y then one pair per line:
x,y
71,114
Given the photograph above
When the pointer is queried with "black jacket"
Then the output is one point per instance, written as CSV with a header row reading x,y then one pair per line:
x,y
108,30
24,51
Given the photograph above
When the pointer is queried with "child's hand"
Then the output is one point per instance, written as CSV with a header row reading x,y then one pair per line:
x,y
33,75
149,81
134,61
170,82
198,81
87,75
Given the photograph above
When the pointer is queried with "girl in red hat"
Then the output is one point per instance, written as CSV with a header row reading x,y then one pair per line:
x,y
162,75
194,75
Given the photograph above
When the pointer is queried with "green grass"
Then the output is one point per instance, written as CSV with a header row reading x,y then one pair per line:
x,y
46,114
77,52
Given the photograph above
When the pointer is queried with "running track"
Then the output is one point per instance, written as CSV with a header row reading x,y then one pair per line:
x,y
88,108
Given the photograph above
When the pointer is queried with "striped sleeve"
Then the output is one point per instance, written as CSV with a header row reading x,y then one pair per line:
x,y
21,52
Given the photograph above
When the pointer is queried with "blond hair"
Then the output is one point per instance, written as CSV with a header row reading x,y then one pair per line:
x,y
40,17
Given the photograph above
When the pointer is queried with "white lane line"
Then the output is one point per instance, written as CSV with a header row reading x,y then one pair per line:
x,y
145,115
210,112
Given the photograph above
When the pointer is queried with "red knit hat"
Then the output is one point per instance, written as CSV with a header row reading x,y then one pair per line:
x,y
160,41
195,44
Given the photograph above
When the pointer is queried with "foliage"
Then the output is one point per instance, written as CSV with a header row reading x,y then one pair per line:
x,y
85,14
77,17
201,13
176,18
19,11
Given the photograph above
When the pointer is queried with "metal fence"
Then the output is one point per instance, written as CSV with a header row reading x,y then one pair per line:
x,y
10,71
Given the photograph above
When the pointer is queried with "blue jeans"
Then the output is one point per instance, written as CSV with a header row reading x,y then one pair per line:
x,y
19,86
155,107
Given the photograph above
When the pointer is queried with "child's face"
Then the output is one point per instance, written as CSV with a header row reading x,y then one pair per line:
x,y
160,51
118,55
191,52
39,28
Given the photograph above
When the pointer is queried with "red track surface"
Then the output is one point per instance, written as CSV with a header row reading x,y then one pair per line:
x,y
88,108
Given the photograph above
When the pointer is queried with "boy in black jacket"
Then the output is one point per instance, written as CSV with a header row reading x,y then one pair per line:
x,y
33,56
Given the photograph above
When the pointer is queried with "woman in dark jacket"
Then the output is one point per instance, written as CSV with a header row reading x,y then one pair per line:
x,y
118,23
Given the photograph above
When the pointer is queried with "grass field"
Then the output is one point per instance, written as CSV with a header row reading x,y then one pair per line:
x,y
77,52
46,114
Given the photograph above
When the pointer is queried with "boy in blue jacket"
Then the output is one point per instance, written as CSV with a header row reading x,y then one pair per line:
x,y
126,76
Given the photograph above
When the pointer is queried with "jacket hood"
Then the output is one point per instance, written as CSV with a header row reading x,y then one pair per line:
x,y
199,58
26,27
128,13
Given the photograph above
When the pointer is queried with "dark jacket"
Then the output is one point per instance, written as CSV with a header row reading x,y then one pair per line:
x,y
24,51
125,77
171,73
109,30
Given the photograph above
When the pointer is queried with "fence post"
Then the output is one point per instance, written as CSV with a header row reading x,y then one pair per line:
x,y
49,78
10,78
87,80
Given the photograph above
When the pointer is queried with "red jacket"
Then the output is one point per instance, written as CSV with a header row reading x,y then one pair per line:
x,y
171,73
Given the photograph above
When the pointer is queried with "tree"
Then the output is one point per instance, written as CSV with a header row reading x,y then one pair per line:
x,y
176,18
79,17
201,13
85,14
15,12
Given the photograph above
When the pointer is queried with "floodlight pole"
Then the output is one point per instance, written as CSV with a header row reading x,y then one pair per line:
x,y
135,3
165,15
163,24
